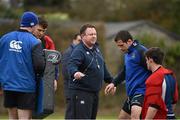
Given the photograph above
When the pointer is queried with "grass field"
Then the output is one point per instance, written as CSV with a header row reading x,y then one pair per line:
x,y
61,117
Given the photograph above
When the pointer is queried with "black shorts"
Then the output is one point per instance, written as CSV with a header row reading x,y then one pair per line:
x,y
20,100
135,100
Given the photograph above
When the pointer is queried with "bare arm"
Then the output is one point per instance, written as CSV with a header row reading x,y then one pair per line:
x,y
151,113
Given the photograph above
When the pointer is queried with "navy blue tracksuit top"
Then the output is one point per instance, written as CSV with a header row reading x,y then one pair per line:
x,y
91,63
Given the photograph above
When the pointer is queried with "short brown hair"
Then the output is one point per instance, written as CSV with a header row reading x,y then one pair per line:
x,y
43,22
84,27
156,54
75,36
123,35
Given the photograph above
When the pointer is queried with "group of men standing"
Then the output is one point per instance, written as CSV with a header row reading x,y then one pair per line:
x,y
151,88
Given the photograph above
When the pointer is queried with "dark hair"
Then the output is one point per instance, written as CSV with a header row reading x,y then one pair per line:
x,y
43,22
84,27
123,35
75,36
156,54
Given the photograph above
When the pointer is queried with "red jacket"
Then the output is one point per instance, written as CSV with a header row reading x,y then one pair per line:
x,y
154,93
48,43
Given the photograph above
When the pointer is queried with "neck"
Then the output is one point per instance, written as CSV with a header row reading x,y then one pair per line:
x,y
26,28
88,46
155,67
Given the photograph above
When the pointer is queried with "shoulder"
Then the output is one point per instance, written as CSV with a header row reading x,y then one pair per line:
x,y
79,50
48,39
9,34
156,78
68,50
140,49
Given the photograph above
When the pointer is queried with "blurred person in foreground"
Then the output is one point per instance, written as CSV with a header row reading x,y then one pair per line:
x,y
22,60
135,73
47,42
161,88
88,71
65,59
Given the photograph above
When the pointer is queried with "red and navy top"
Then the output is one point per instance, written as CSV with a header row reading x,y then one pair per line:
x,y
161,92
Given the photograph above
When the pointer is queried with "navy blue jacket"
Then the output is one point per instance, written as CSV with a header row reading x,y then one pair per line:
x,y
65,59
91,63
21,59
135,70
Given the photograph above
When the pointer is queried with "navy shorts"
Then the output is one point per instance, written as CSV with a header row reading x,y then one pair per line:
x,y
135,100
20,100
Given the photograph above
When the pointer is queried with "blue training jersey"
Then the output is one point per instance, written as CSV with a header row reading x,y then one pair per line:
x,y
136,71
16,67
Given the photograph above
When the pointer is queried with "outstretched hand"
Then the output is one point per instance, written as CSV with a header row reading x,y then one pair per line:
x,y
55,85
110,89
78,75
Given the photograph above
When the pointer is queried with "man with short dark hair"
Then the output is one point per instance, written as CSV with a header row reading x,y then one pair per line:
x,y
87,70
65,60
161,88
22,60
47,42
135,73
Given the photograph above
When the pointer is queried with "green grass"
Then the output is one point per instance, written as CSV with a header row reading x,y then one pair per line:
x,y
61,117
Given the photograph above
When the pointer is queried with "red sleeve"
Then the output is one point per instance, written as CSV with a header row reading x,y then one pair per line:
x,y
49,43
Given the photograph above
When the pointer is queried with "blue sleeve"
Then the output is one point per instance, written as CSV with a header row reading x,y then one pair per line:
x,y
107,76
120,77
75,61
141,50
56,72
65,59
38,59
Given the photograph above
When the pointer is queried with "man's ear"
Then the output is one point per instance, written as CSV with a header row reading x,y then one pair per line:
x,y
151,60
129,41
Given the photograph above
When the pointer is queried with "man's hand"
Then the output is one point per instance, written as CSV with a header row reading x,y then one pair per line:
x,y
78,75
55,85
110,89
1,91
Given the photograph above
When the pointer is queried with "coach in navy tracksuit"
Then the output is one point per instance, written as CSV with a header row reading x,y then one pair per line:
x,y
21,59
87,70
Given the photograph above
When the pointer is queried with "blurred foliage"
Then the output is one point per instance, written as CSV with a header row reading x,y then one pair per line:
x,y
162,12
172,51
8,13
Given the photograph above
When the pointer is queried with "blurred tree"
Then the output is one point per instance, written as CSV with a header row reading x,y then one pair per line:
x,y
60,4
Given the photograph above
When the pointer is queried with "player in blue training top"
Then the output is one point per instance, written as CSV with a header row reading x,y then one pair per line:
x,y
21,61
135,73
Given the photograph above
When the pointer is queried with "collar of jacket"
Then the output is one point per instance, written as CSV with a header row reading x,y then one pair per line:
x,y
134,44
22,30
95,46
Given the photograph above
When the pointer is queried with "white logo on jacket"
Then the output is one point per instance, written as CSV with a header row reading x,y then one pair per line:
x,y
15,46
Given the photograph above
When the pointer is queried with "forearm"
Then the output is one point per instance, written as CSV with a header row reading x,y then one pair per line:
x,y
119,78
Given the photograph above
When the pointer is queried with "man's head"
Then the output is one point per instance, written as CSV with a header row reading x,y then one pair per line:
x,y
29,20
76,39
123,40
41,28
88,35
154,56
